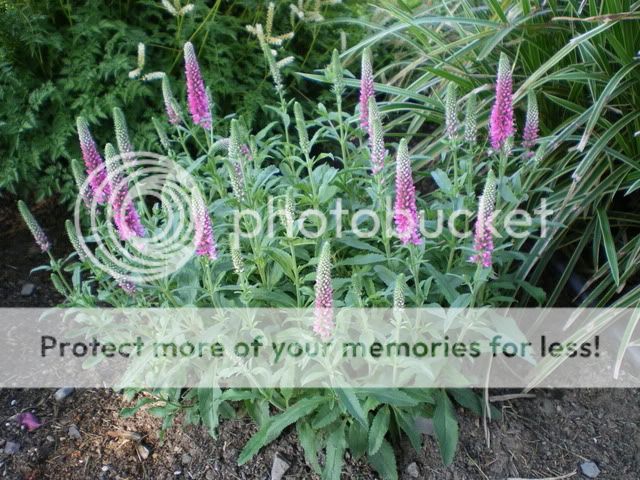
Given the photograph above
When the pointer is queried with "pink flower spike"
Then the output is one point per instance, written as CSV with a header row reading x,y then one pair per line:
x,y
204,241
323,324
501,124
483,239
29,421
366,88
125,216
93,162
196,93
405,211
531,126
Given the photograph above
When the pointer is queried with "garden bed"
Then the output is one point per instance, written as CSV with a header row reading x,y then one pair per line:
x,y
547,436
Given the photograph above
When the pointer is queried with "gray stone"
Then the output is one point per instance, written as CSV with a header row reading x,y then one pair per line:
x,y
11,448
279,467
589,469
63,393
27,289
74,433
186,459
424,425
143,451
412,470
209,475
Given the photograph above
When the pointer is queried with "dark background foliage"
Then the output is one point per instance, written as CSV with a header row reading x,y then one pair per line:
x,y
61,59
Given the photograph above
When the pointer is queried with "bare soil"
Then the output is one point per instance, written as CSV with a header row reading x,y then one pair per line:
x,y
548,436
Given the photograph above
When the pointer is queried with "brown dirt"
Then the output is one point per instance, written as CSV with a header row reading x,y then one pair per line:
x,y
545,437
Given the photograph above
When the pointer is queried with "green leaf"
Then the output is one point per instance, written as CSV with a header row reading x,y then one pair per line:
x,y
363,259
350,402
276,424
407,424
384,462
208,404
445,426
497,9
536,292
378,430
467,399
358,244
626,339
442,281
325,416
442,180
130,411
609,245
608,94
396,398
357,438
335,454
307,438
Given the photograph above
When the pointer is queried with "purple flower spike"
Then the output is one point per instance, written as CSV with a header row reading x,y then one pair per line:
x,y
204,241
531,126
366,88
405,211
29,421
133,222
483,239
93,162
125,216
323,324
196,92
501,123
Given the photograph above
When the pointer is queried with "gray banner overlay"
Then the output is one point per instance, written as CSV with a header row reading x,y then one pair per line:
x,y
370,348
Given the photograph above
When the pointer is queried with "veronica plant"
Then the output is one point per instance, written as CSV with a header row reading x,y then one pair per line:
x,y
320,164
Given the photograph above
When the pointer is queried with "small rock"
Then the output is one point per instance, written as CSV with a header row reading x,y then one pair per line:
x,y
186,459
424,425
11,448
143,451
412,470
589,469
27,289
279,467
14,403
63,393
209,475
74,433
50,439
105,468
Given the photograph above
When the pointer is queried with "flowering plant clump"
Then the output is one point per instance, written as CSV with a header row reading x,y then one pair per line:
x,y
264,232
